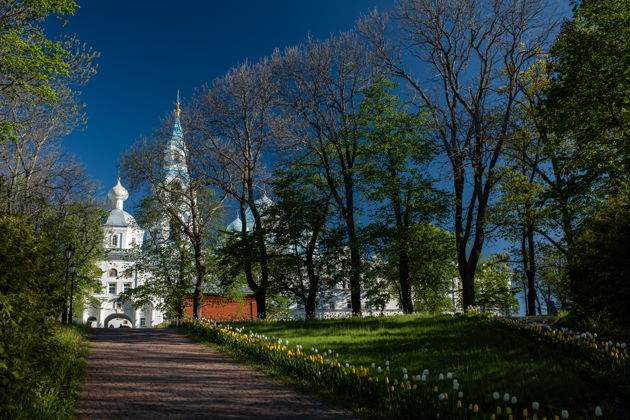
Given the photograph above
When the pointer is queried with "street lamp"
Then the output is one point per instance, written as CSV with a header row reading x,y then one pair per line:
x,y
64,316
73,270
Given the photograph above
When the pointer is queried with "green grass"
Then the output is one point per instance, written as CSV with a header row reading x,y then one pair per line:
x,y
53,394
485,358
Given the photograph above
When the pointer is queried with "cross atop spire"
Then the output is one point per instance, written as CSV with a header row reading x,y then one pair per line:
x,y
178,110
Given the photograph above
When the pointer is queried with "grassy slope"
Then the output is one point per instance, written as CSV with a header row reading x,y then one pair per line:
x,y
482,357
54,395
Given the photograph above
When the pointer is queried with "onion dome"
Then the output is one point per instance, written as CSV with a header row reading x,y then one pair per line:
x,y
118,194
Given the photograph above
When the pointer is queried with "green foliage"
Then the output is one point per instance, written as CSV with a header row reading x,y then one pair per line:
x,y
54,394
598,266
27,300
29,62
588,99
395,154
493,286
167,265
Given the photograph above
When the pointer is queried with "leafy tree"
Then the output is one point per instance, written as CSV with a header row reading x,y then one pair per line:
x,y
29,297
588,97
171,168
297,221
320,83
166,266
394,157
598,265
235,123
30,63
493,285
473,54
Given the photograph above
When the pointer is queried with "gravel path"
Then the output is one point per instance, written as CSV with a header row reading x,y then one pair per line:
x,y
160,374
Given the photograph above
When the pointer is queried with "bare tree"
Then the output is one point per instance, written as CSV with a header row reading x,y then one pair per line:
x,y
235,123
166,165
321,83
473,53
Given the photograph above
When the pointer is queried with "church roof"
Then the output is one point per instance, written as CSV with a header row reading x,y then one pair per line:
x,y
262,204
120,218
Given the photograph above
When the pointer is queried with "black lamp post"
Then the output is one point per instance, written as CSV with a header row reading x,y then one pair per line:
x,y
64,316
73,270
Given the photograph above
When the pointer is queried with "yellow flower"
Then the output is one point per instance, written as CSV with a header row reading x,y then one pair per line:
x,y
459,404
499,411
435,389
475,408
525,413
508,410
387,380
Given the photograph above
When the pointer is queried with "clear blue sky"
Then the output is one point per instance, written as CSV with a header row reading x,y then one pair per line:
x,y
150,49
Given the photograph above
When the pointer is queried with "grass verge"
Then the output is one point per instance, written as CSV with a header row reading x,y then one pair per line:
x,y
54,389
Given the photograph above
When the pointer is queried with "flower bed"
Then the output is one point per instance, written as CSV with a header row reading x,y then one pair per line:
x,y
385,390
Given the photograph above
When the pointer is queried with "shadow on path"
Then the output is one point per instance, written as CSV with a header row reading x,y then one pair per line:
x,y
160,374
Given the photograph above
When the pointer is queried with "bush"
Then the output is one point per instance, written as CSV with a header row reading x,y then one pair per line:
x,y
27,300
599,266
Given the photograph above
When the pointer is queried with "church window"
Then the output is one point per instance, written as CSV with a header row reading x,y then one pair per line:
x,y
126,287
133,241
113,273
143,322
114,240
349,305
331,306
112,288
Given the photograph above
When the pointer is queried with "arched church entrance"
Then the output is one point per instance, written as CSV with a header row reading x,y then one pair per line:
x,y
118,320
92,321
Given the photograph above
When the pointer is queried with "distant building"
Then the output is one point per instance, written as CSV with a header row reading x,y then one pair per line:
x,y
121,234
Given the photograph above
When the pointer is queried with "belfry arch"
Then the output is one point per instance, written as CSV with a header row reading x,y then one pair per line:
x,y
117,315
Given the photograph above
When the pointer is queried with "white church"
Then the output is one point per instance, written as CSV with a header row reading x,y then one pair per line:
x,y
122,234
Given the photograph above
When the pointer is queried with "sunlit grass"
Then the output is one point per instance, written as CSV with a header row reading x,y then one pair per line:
x,y
483,357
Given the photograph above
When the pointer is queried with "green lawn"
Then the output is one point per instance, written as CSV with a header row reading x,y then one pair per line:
x,y
485,358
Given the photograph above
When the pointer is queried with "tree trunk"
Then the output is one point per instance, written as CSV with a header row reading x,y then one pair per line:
x,y
313,278
531,274
404,278
201,274
353,243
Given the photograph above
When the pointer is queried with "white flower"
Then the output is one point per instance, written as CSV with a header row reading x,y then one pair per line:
x,y
424,377
598,411
373,365
425,372
418,377
441,397
441,376
315,350
286,342
495,395
379,370
404,370
329,351
279,340
506,397
405,376
565,414
347,364
449,375
535,405
460,395
336,355
514,400
455,385
386,362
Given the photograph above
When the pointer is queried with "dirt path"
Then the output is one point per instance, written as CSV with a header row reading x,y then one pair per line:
x,y
160,374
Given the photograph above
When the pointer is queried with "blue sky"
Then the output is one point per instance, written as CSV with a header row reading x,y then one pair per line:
x,y
150,49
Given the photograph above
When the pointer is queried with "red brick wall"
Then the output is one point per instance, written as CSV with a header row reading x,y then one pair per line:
x,y
221,308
